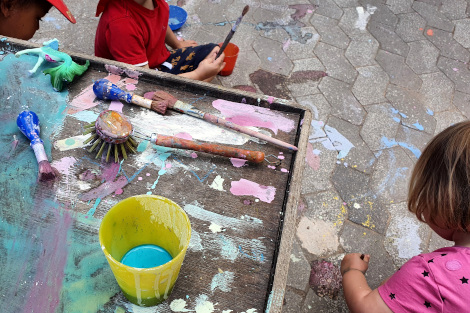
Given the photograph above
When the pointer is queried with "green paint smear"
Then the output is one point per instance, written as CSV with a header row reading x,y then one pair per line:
x,y
19,243
88,283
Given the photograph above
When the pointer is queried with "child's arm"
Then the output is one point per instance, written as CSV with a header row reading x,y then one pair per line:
x,y
359,296
172,41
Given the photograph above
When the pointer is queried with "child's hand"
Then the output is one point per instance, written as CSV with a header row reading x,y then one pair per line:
x,y
353,261
182,43
210,67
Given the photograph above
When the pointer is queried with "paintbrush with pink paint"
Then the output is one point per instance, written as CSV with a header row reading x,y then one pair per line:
x,y
162,100
180,106
28,123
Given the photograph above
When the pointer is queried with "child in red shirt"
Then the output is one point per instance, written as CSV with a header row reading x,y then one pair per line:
x,y
20,18
136,31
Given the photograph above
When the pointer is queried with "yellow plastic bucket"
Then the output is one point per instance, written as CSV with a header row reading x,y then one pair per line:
x,y
142,220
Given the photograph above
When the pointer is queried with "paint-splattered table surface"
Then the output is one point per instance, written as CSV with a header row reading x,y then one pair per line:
x,y
240,212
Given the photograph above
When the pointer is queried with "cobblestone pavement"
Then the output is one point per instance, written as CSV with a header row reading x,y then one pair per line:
x,y
397,74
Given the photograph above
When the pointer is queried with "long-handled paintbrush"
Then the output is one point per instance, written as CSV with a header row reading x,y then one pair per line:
x,y
162,100
28,123
232,31
105,90
114,129
187,108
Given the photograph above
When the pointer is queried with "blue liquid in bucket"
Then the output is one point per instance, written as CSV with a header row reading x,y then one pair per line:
x,y
146,256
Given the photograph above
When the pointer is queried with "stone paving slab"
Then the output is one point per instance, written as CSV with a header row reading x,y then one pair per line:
x,y
381,77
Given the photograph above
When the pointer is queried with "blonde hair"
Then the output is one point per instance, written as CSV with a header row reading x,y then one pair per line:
x,y
440,182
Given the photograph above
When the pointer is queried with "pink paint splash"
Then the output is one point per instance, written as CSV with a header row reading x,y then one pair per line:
x,y
130,81
272,167
116,106
110,171
44,296
132,74
286,45
113,78
237,162
86,99
184,135
248,115
87,175
119,191
149,95
168,165
284,170
311,158
64,165
113,69
104,189
14,144
194,155
270,99
245,187
130,87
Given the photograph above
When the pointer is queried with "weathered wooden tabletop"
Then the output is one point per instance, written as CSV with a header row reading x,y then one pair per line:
x,y
241,214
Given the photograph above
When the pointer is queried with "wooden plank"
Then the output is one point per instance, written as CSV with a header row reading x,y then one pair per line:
x,y
49,233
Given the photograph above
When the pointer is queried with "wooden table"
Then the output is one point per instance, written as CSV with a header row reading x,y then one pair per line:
x,y
50,257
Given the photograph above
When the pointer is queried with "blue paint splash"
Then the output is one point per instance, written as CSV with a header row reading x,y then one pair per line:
x,y
418,126
430,112
389,143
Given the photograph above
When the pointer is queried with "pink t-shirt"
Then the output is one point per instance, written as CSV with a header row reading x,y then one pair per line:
x,y
433,282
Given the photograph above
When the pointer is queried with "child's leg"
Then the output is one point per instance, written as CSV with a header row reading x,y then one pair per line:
x,y
187,59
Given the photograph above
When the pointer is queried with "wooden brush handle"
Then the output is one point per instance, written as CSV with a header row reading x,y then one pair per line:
x,y
245,130
226,151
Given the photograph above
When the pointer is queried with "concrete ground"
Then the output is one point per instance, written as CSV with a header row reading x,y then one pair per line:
x,y
397,74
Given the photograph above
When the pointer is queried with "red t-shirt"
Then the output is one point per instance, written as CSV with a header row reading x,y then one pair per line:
x,y
129,33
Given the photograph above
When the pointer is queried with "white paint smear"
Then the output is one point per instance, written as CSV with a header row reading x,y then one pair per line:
x,y
150,122
203,305
364,16
71,143
218,183
406,237
222,281
331,140
195,244
215,228
317,236
234,223
178,305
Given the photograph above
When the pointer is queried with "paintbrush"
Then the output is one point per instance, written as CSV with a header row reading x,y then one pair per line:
x,y
232,31
186,108
105,90
162,100
114,129
28,123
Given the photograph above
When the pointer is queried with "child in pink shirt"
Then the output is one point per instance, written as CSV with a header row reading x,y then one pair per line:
x,y
439,195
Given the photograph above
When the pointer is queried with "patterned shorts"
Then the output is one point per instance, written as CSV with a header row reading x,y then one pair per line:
x,y
186,59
